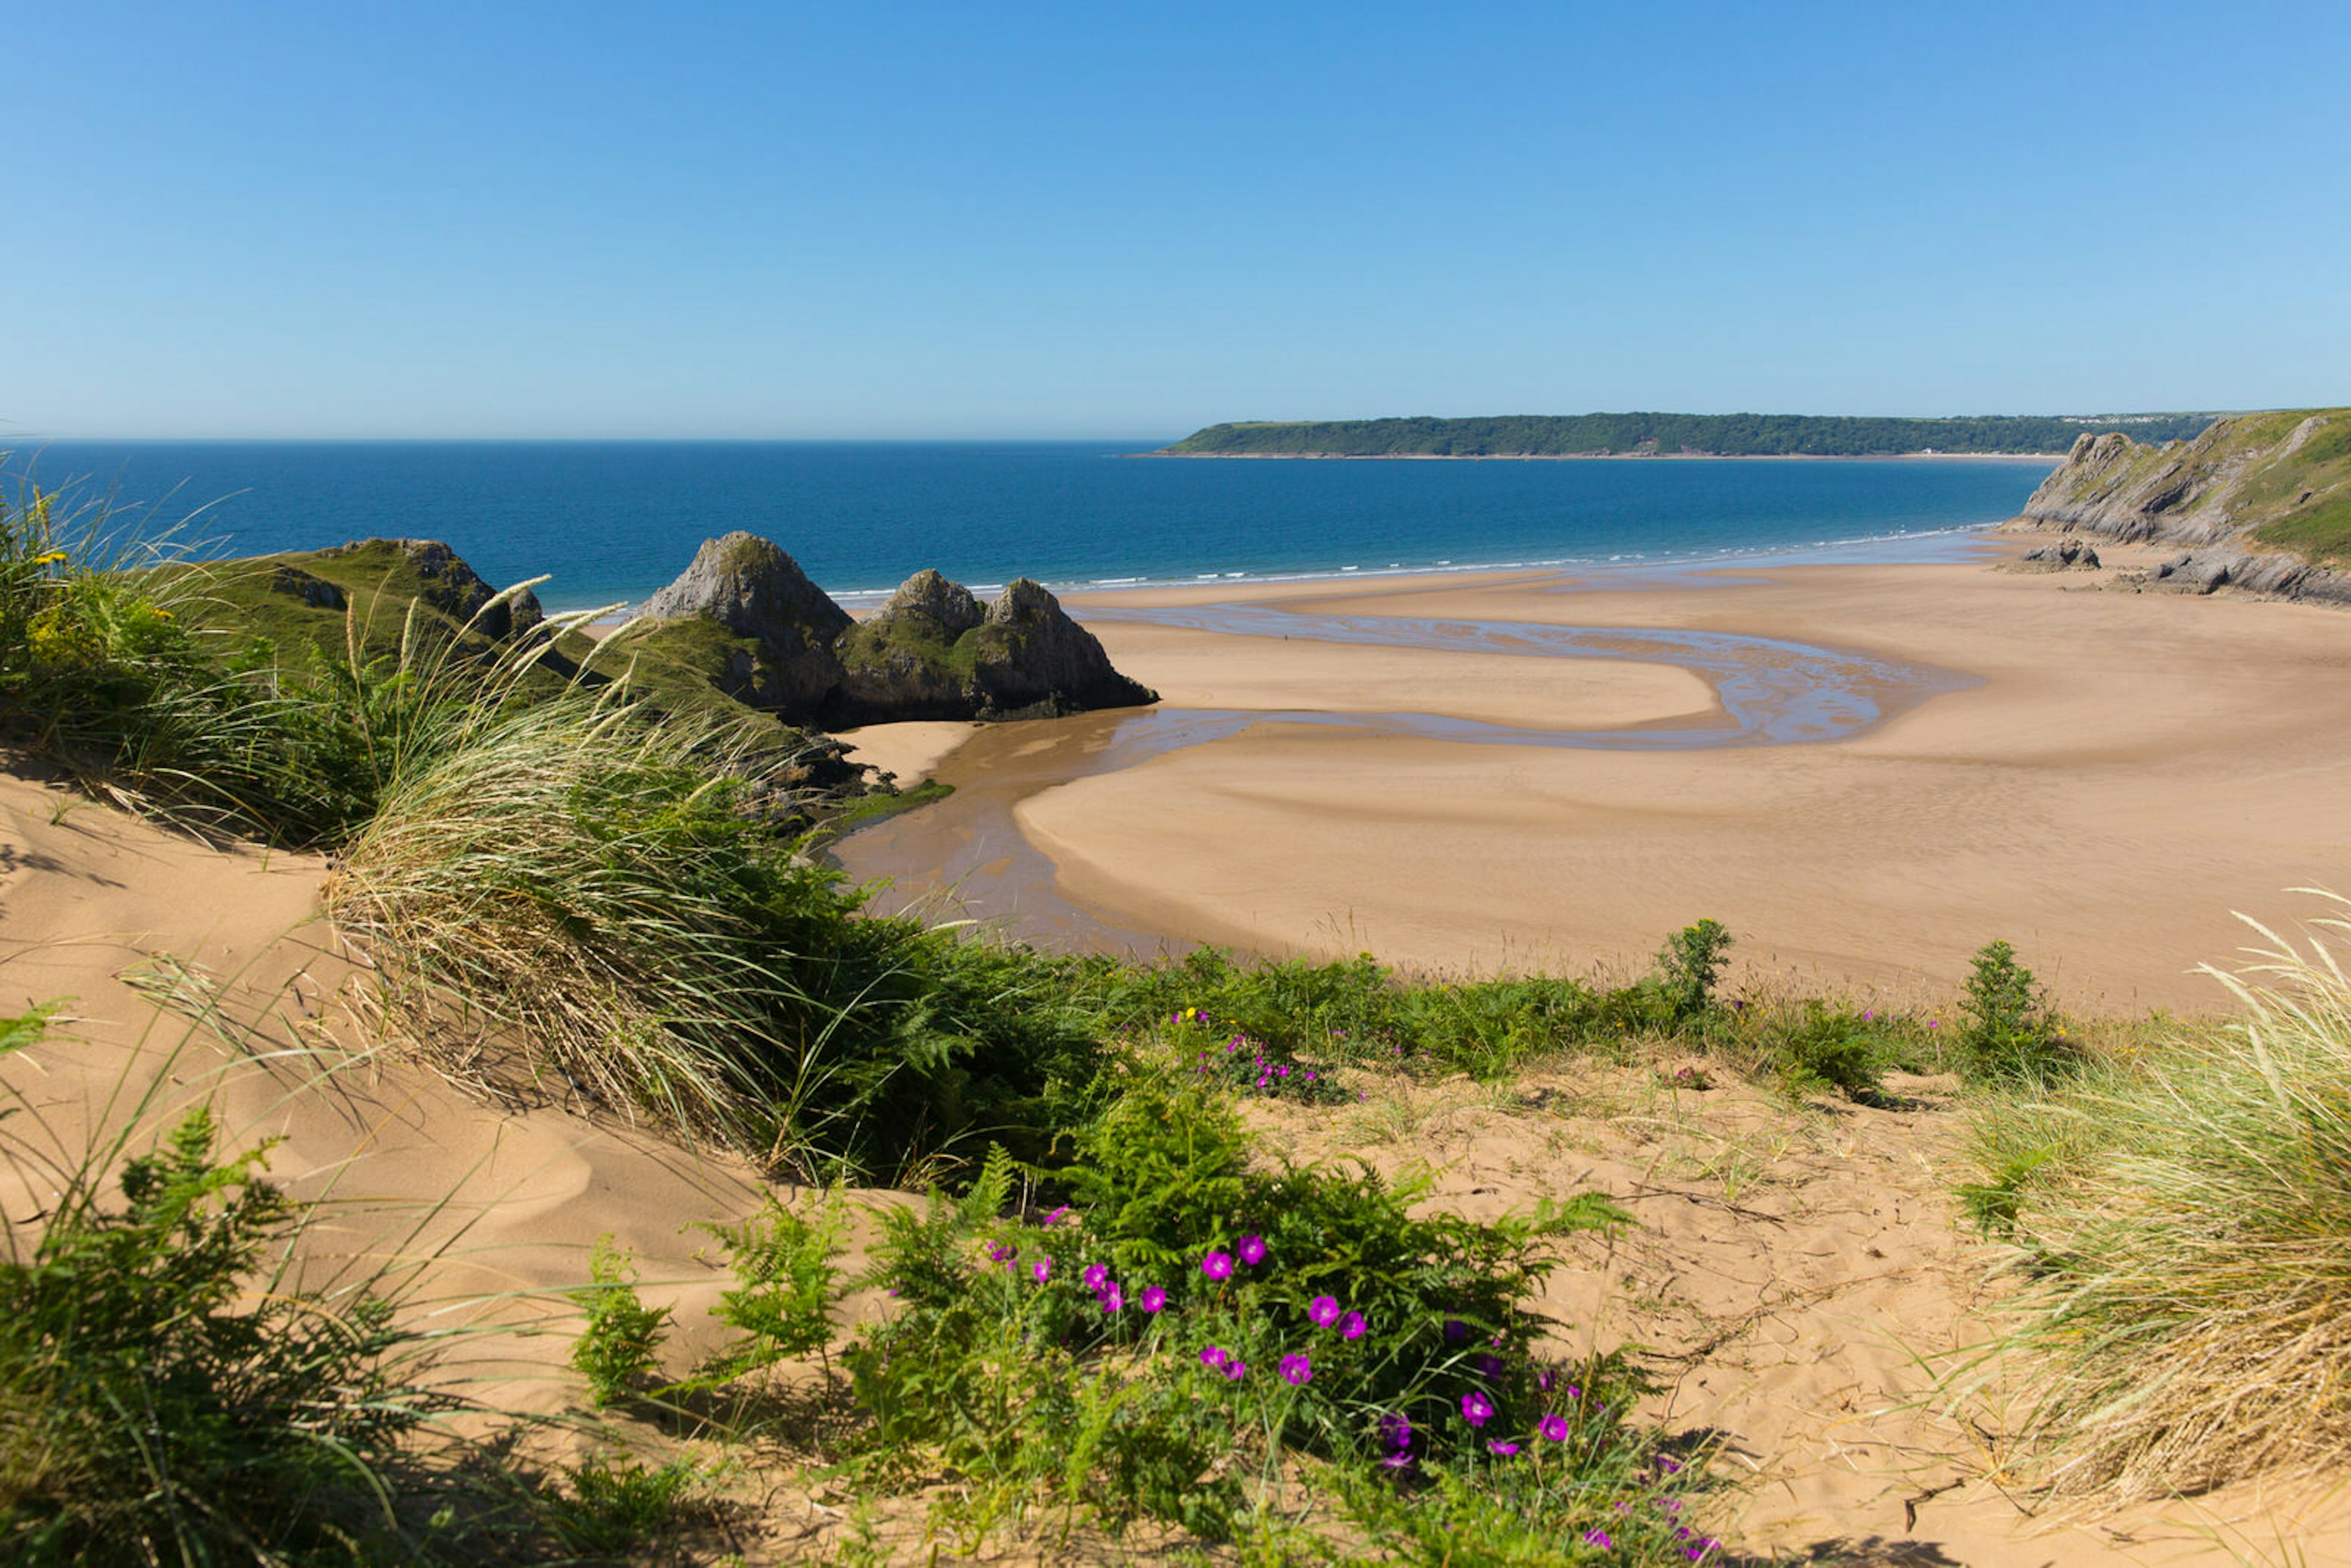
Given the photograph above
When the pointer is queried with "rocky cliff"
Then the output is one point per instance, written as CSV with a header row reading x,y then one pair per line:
x,y
2262,501
770,638
780,658
427,568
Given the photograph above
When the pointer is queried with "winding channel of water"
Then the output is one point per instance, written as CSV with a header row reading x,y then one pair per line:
x,y
966,856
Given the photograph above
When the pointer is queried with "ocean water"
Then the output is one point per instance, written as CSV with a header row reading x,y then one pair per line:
x,y
612,521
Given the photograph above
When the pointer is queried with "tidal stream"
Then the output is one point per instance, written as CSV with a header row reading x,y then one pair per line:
x,y
965,857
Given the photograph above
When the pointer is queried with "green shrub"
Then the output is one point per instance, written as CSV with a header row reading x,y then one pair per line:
x,y
1189,1319
1687,968
787,1284
2010,1035
1830,1046
620,1343
616,1503
1310,1017
140,1413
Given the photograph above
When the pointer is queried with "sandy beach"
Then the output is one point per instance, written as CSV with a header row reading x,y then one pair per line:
x,y
2104,776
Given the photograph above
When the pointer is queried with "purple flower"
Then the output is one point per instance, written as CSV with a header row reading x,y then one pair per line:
x,y
1545,1378
1671,1467
1296,1371
1477,1410
1489,1368
1323,1310
1213,1356
1217,1266
1354,1327
1152,1299
1574,1391
1056,1214
1042,1270
1004,1252
1097,1277
1396,1429
1113,1299
1499,1446
1456,1330
1553,1428
1598,1538
1398,1460
1252,1250
1236,1368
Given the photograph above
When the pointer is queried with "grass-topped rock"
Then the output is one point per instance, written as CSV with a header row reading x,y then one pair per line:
x,y
779,628
933,652
746,617
2260,501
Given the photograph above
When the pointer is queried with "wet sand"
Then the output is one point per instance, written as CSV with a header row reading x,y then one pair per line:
x,y
2097,776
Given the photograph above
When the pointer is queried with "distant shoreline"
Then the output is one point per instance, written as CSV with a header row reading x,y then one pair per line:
x,y
1613,457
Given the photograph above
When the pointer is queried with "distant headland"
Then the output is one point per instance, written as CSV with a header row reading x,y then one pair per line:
x,y
1677,435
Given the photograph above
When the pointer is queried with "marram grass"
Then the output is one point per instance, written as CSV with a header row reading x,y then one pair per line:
x,y
2188,1324
568,870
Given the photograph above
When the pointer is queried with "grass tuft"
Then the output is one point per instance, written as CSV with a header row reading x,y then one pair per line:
x,y
2186,1223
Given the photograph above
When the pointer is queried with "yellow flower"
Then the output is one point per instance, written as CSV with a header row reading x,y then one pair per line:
x,y
54,555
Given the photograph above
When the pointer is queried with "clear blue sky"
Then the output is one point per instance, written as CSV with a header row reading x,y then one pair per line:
x,y
977,220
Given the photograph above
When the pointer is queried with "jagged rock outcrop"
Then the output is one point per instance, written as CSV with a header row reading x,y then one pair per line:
x,y
2068,554
930,653
933,652
749,586
2262,500
1039,656
315,592
449,585
907,657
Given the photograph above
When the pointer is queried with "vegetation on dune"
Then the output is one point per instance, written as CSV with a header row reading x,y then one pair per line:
x,y
2183,1217
171,1393
1198,1341
1713,434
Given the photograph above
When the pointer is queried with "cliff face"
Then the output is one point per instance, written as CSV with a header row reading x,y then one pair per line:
x,y
769,637
2263,502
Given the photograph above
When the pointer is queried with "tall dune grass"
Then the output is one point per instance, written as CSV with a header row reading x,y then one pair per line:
x,y
576,875
611,896
101,675
2188,1232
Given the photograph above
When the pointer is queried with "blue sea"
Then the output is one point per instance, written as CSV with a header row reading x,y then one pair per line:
x,y
612,521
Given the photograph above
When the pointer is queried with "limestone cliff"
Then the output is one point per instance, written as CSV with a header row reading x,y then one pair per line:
x,y
2263,501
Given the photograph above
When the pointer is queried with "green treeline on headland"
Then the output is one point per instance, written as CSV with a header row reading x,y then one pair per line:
x,y
1672,435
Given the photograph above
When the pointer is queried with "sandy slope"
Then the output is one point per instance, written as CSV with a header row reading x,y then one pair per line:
x,y
1801,1275
509,1198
